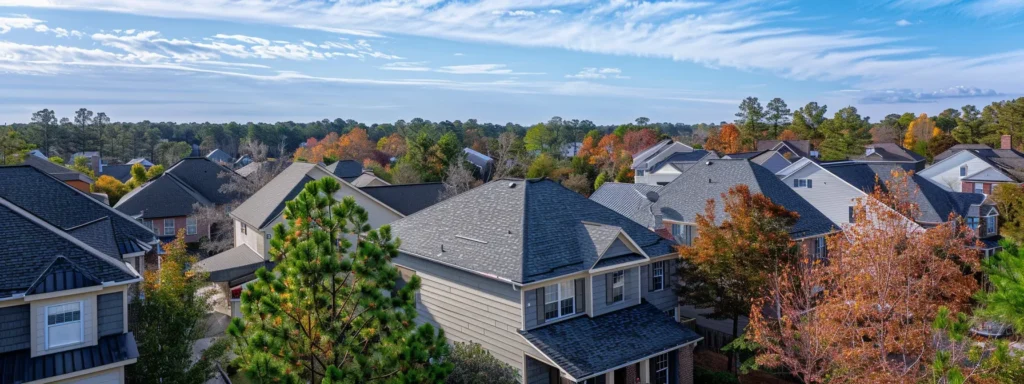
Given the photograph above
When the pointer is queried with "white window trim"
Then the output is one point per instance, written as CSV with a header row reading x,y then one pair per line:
x,y
172,227
81,325
979,188
559,299
657,371
191,225
658,266
619,284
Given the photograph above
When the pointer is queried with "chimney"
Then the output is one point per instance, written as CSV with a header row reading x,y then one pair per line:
x,y
1005,142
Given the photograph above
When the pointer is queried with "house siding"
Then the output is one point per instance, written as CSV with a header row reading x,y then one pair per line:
x,y
829,194
664,299
110,314
537,372
631,294
15,330
471,308
179,224
946,173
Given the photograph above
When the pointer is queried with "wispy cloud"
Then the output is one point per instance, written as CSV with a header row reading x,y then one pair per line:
x,y
18,22
911,96
418,66
992,8
483,69
597,73
904,23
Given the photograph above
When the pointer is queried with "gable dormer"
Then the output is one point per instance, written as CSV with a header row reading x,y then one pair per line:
x,y
62,275
613,247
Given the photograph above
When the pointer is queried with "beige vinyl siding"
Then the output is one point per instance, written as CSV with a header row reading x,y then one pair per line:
x,y
829,194
664,299
631,292
470,308
111,376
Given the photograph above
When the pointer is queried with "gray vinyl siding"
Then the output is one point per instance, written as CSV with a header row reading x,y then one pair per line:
x,y
618,248
664,299
470,308
631,296
775,163
110,313
530,297
15,331
829,194
537,372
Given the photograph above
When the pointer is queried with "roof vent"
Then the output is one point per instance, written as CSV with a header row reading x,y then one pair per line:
x,y
709,180
652,196
707,163
512,185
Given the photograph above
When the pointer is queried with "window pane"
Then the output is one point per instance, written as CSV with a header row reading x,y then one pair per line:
x,y
568,306
551,294
551,310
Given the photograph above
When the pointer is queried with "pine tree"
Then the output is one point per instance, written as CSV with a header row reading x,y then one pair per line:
x,y
332,311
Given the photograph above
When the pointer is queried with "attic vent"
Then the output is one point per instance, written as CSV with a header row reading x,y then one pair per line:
x,y
470,239
512,185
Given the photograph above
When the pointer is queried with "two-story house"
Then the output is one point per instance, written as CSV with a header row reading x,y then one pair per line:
x,y
890,153
772,160
672,210
63,300
790,149
561,288
77,213
165,204
664,161
255,218
976,168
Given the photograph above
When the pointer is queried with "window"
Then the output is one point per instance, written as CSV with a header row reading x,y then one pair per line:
x,y
243,229
672,313
191,227
659,364
639,172
64,324
990,225
168,227
973,222
560,299
152,226
618,286
979,188
683,234
963,170
820,248
270,236
658,276
803,183
851,216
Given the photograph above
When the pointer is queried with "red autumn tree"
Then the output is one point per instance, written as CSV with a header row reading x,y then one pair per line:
x,y
729,263
727,140
865,315
788,135
636,141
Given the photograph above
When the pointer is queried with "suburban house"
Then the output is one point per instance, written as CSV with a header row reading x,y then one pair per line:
x,y
77,214
64,296
935,204
353,172
69,176
790,149
672,210
664,161
165,203
561,288
484,164
220,157
123,172
571,149
95,161
976,168
772,160
256,217
890,153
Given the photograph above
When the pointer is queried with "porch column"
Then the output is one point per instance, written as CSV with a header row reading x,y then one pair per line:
x,y
645,371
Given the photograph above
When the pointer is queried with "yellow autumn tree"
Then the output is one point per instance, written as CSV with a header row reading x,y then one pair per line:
x,y
112,187
920,130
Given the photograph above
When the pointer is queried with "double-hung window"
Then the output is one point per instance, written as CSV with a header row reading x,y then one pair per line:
x,y
191,227
803,183
152,226
979,188
658,276
973,222
683,234
639,172
659,364
820,248
560,300
618,286
991,225
64,324
168,227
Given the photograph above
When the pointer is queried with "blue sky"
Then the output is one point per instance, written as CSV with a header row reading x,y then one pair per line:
x,y
501,60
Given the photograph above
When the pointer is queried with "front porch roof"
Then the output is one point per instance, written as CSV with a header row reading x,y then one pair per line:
x,y
586,346
231,264
20,367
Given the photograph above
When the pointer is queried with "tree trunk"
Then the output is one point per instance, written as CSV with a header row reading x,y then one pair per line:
x,y
732,353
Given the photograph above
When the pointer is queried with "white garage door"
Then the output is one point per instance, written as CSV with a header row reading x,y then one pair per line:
x,y
103,378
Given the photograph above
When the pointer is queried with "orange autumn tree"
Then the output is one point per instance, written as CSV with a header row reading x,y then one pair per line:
x,y
732,258
727,140
354,145
788,135
866,314
636,141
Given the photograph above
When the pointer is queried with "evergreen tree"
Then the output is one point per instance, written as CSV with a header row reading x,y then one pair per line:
x,y
1004,302
845,134
778,116
170,320
474,365
808,119
333,311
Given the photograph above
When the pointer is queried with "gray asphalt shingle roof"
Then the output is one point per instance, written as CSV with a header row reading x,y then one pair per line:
x,y
889,152
66,208
580,346
60,172
629,200
407,199
121,172
515,230
935,204
801,147
264,205
218,155
190,181
30,247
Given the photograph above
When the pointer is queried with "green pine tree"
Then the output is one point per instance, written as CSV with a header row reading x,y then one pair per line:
x,y
331,311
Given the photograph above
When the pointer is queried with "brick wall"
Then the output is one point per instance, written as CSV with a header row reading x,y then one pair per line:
x,y
632,373
967,187
684,375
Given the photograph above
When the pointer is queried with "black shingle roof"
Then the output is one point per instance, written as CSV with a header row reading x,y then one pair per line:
x,y
190,181
888,152
935,204
20,367
30,247
121,172
516,230
60,172
407,199
348,170
66,208
585,346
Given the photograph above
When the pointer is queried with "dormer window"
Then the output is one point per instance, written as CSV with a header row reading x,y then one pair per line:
x,y
618,286
973,223
658,276
683,234
963,170
990,225
803,183
639,172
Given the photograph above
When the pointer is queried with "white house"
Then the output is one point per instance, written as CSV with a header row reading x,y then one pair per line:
x,y
826,191
663,162
976,170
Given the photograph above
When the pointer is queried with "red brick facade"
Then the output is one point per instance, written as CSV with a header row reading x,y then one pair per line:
x,y
684,375
633,373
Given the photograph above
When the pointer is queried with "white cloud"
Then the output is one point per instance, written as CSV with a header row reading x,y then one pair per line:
x,y
903,23
482,69
129,32
243,38
889,96
18,22
418,66
994,8
458,54
555,11
597,73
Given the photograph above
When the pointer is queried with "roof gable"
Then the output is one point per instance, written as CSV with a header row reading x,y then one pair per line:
x,y
62,275
203,176
162,197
